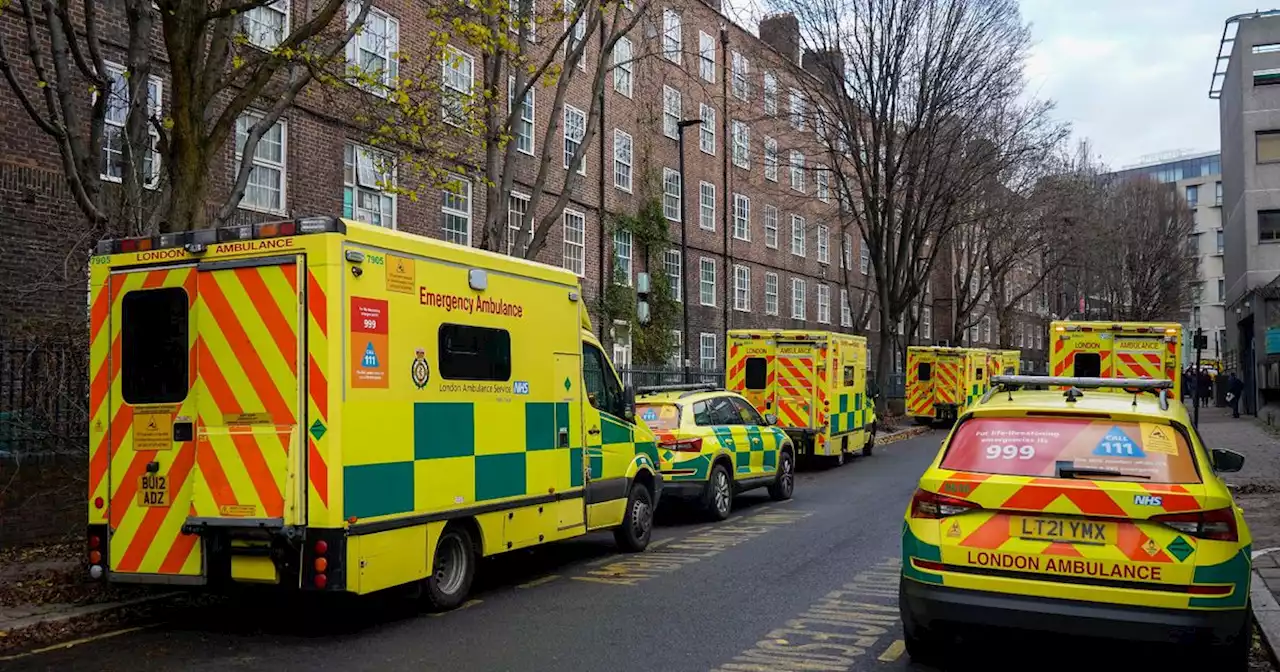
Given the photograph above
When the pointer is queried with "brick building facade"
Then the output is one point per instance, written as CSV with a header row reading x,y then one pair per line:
x,y
764,246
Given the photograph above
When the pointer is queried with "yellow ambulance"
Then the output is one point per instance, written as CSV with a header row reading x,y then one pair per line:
x,y
815,382
1116,350
941,382
329,406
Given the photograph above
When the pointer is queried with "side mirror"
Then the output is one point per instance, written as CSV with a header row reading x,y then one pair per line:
x,y
629,404
1226,461
770,419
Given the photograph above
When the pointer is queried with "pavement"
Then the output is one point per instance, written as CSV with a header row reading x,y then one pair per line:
x,y
1257,491
809,584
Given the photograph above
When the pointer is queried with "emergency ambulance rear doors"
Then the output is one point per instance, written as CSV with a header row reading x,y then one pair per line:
x,y
751,370
796,367
920,364
204,391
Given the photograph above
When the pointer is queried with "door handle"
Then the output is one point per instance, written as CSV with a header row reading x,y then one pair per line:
x,y
593,431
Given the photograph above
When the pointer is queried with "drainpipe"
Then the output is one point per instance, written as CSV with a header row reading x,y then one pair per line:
x,y
726,202
600,207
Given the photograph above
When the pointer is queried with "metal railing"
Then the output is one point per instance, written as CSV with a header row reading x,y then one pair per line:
x,y
642,376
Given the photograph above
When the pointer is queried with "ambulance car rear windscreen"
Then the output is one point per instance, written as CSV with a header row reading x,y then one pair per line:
x,y
1139,452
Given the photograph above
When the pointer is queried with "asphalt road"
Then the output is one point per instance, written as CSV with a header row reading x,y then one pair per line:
x,y
809,584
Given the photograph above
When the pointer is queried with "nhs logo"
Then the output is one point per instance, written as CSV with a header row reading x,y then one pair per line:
x,y
1148,500
520,387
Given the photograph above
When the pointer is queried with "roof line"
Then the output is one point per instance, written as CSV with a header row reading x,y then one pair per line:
x,y
1226,44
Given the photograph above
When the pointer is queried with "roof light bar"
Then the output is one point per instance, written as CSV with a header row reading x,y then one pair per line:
x,y
684,387
199,239
1150,384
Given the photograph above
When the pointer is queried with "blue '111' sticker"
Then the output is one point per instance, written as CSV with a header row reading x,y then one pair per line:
x,y
650,415
1118,444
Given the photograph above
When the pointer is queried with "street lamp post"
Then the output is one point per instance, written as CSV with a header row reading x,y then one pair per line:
x,y
684,246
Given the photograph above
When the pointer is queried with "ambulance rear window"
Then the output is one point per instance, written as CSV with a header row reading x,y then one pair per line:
x,y
659,417
1087,365
474,353
757,373
154,346
925,371
1139,452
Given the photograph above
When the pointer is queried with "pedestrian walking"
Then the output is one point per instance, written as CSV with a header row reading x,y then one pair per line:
x,y
1187,384
1191,382
1235,387
1205,388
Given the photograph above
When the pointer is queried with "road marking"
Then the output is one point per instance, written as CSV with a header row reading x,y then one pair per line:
x,y
835,632
465,605
660,543
538,582
894,651
77,642
706,542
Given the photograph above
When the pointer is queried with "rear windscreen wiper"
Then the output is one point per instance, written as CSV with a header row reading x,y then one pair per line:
x,y
1069,470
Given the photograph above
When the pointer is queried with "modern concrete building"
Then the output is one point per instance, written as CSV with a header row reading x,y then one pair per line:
x,y
1246,83
1198,179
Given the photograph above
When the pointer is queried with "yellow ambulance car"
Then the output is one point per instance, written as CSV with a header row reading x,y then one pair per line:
x,y
1086,513
325,405
815,382
1116,350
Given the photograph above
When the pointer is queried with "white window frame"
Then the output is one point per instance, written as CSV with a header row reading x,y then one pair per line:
x,y
864,256
742,288
707,344
707,129
516,228
671,206
465,192
741,68
770,94
672,35
623,155
797,171
707,57
523,131
155,98
798,235
672,258
846,313
623,256
282,166
798,289
388,51
623,67
672,111
706,287
823,180
253,18
926,322
824,244
741,144
797,110
846,251
461,65
770,293
770,159
579,265
986,329
677,353
707,206
569,137
824,304
367,157
741,217
771,226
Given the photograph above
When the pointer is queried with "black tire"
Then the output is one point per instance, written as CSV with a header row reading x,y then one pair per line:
x,y
632,536
717,501
783,487
922,645
923,420
452,569
1232,656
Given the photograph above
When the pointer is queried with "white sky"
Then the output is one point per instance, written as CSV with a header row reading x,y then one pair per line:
x,y
1131,76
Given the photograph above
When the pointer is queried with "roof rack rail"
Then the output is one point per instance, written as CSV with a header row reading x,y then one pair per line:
x,y
682,387
1161,386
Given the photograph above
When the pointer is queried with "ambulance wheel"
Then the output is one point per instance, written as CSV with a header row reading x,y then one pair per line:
x,y
922,645
453,569
718,500
923,421
781,489
637,523
1232,656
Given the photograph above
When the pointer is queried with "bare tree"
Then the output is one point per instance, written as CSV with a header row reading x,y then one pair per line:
x,y
220,64
927,100
531,53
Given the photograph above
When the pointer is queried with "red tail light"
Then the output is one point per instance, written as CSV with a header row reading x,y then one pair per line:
x,y
1217,525
321,581
1210,590
322,547
684,445
95,541
931,505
